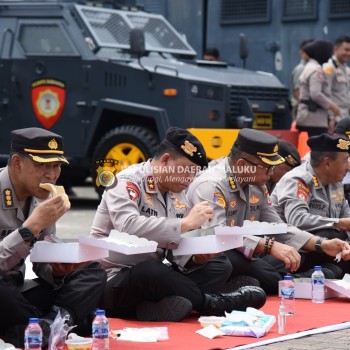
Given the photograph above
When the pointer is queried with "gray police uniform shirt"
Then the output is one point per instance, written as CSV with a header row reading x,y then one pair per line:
x,y
295,84
313,86
233,204
13,250
301,200
338,78
136,206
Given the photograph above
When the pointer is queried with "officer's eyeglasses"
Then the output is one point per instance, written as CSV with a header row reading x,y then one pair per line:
x,y
267,168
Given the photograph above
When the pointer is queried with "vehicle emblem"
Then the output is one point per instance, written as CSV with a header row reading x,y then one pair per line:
x,y
48,99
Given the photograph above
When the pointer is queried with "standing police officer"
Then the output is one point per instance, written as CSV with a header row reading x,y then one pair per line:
x,y
338,75
149,202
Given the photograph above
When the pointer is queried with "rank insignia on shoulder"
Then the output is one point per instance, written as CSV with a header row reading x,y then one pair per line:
x,y
8,200
316,182
232,182
151,184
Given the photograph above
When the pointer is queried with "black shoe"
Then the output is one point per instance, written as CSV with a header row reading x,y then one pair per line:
x,y
237,282
172,309
217,304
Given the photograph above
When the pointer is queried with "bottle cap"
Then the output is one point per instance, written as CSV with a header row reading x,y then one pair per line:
x,y
100,312
318,267
33,320
288,278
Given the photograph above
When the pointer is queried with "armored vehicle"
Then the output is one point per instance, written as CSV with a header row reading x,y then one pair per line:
x,y
112,81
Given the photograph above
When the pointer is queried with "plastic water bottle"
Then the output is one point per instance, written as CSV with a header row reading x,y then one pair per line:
x,y
317,280
100,331
33,335
288,298
281,319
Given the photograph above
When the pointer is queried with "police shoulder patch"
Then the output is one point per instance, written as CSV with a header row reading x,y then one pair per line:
x,y
219,199
303,191
133,191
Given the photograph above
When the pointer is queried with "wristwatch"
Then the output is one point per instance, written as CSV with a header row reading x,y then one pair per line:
x,y
27,235
318,244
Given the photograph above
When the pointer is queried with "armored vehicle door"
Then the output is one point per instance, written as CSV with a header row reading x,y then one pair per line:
x,y
49,79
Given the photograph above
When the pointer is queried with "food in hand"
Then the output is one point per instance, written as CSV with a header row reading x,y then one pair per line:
x,y
56,191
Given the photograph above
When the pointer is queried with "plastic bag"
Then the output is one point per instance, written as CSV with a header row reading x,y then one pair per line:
x,y
59,331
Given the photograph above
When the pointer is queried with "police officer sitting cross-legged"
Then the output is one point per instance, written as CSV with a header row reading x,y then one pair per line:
x,y
28,214
235,188
311,196
148,201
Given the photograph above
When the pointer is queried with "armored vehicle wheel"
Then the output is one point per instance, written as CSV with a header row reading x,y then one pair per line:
x,y
127,144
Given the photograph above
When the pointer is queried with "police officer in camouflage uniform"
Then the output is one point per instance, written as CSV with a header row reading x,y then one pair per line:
x,y
235,188
149,201
311,196
28,215
338,76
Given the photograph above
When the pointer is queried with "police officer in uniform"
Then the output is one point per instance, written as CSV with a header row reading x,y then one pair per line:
x,y
338,76
148,201
342,128
28,215
315,98
292,160
236,190
311,196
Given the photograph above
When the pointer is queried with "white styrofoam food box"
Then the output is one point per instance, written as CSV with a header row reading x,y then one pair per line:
x,y
121,242
221,238
251,228
69,252
342,286
303,289
205,241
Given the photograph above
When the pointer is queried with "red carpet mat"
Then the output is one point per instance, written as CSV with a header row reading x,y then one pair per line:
x,y
182,335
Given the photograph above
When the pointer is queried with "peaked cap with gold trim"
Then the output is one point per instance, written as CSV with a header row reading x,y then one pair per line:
x,y
343,127
328,143
289,153
41,145
187,145
259,144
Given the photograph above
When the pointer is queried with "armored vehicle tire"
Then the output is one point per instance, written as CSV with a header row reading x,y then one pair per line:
x,y
127,144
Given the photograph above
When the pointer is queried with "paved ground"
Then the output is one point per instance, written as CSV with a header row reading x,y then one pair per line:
x,y
78,222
